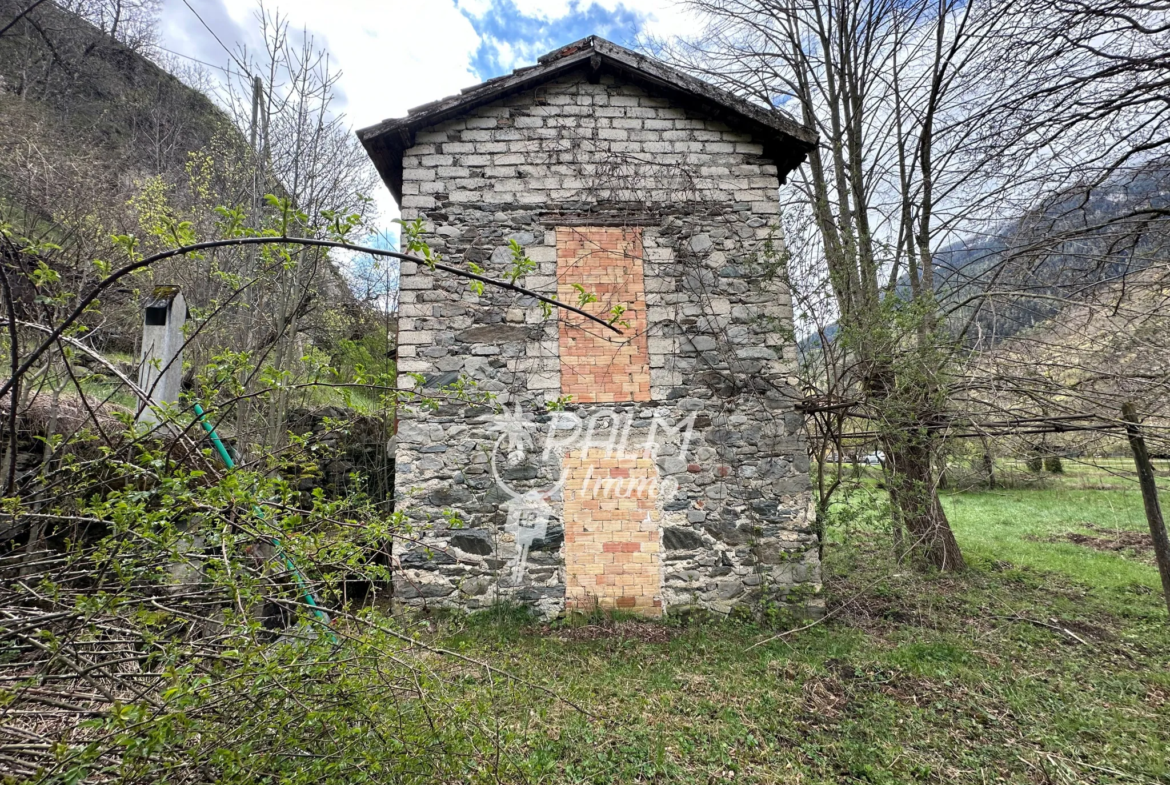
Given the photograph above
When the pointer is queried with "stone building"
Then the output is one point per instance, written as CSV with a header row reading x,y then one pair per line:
x,y
655,469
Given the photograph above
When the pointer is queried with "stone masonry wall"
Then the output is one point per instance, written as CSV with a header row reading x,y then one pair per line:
x,y
715,510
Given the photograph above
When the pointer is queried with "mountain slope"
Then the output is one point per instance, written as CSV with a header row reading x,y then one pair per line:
x,y
83,116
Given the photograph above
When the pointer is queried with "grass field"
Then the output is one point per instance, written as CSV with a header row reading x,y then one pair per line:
x,y
1047,662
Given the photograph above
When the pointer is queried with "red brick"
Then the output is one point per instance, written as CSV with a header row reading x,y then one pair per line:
x,y
607,555
607,262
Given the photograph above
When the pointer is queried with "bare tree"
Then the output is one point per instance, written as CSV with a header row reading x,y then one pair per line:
x,y
956,201
132,23
882,83
302,145
1065,310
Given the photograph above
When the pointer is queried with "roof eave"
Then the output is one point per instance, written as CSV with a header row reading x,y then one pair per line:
x,y
785,141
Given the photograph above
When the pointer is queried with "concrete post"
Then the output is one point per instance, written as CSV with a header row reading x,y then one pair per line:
x,y
160,371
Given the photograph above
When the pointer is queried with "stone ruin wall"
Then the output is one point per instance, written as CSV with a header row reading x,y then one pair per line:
x,y
674,215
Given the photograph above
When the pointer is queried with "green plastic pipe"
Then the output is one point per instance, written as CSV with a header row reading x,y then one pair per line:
x,y
289,564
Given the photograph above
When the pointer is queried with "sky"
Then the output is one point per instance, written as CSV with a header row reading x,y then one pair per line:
x,y
397,54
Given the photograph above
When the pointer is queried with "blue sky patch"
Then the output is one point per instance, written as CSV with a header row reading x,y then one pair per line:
x,y
510,39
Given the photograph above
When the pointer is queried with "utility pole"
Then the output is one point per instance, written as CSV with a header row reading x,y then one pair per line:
x,y
1145,470
257,91
243,408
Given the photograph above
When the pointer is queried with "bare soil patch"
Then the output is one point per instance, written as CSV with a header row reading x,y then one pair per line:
x,y
1123,541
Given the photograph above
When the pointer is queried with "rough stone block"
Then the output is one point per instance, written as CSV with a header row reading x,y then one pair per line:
x,y
419,201
417,282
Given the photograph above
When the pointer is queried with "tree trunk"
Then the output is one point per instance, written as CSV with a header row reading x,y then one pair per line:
x,y
988,464
1149,485
914,494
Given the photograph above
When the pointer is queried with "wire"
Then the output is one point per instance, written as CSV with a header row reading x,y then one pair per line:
x,y
228,71
207,27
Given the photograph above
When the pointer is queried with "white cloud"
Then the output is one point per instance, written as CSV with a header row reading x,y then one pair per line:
x,y
475,7
393,54
666,18
510,56
544,9
661,13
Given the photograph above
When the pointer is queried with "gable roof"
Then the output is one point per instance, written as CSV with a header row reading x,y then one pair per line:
x,y
785,141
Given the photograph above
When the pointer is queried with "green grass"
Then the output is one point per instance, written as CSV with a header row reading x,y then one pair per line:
x,y
1015,525
915,678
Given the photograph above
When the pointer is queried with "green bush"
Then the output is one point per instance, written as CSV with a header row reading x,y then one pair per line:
x,y
372,353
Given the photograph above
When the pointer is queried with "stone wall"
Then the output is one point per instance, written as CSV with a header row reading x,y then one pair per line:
x,y
670,205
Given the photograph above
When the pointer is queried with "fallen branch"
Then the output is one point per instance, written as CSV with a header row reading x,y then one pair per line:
x,y
1051,624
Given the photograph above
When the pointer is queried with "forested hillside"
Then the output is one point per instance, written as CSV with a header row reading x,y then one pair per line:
x,y
119,182
88,127
1033,266
78,105
1056,254
96,140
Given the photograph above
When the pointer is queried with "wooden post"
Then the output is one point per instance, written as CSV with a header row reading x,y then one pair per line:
x,y
160,372
257,88
1145,470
